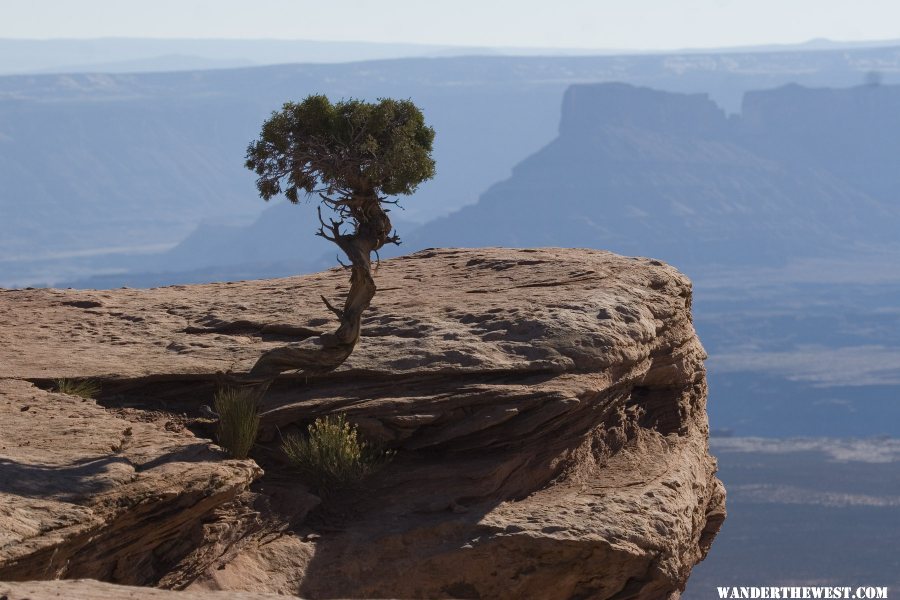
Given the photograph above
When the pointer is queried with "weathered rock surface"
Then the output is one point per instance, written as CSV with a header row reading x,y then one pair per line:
x,y
88,589
87,494
547,406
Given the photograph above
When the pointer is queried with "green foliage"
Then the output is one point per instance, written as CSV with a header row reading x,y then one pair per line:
x,y
84,387
347,148
332,455
238,420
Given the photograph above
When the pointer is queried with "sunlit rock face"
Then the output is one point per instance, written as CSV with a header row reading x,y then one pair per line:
x,y
547,408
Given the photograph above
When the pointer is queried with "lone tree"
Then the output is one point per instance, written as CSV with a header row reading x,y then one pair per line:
x,y
352,156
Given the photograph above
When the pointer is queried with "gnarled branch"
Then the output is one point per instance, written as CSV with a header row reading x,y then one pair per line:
x,y
328,351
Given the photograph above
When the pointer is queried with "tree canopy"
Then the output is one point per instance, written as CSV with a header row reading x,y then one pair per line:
x,y
354,155
342,149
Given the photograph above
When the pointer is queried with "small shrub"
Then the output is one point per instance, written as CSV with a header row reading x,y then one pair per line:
x,y
332,455
238,420
84,388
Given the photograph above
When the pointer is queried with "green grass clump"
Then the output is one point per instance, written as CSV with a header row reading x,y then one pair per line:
x,y
84,388
332,455
238,420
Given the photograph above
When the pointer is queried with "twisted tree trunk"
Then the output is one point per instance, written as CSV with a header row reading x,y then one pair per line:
x,y
329,350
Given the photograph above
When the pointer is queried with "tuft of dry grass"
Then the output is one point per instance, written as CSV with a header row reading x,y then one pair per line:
x,y
332,455
238,420
84,388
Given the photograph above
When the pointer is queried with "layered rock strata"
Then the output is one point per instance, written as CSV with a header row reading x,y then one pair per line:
x,y
547,408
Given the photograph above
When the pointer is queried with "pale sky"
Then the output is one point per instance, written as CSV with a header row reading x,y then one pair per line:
x,y
617,24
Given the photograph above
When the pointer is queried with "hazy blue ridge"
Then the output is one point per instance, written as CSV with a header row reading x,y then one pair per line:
x,y
116,166
644,172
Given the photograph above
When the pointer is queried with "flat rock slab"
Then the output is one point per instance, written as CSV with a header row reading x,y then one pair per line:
x,y
435,311
88,589
85,492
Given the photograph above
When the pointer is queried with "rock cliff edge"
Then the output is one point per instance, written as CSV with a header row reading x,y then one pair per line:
x,y
548,409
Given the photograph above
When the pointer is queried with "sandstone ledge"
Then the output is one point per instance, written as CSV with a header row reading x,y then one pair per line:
x,y
548,407
88,589
85,493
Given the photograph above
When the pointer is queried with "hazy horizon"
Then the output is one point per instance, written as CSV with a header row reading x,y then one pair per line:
x,y
812,43
643,25
117,54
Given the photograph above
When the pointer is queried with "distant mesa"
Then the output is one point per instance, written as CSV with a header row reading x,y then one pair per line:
x,y
652,173
641,172
142,159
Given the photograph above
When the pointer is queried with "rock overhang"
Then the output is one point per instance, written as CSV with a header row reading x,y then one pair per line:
x,y
560,395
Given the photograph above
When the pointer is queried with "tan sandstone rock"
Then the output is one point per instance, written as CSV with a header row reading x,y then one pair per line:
x,y
85,493
88,589
547,406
